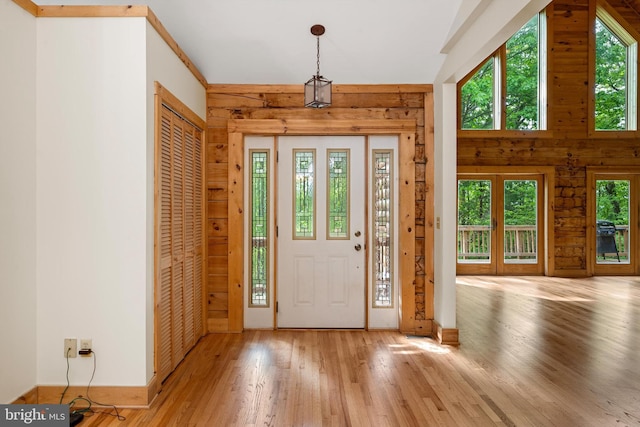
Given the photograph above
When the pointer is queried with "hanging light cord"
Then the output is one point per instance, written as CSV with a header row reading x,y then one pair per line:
x,y
318,56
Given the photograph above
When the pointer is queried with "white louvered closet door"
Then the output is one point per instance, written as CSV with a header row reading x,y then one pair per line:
x,y
180,254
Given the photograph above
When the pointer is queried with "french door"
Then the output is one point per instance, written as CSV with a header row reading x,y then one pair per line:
x,y
500,224
612,220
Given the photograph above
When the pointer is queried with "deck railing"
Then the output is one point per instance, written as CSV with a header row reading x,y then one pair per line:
x,y
520,242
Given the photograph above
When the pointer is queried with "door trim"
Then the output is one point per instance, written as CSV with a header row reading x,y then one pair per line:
x,y
631,173
548,188
404,129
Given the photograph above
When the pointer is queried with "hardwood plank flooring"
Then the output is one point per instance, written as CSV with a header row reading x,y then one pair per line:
x,y
534,351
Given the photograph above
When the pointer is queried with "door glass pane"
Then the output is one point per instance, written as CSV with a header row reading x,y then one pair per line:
x,y
259,228
474,221
338,194
520,221
612,221
304,194
382,228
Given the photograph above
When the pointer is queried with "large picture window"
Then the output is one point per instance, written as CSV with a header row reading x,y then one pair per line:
x,y
615,87
508,91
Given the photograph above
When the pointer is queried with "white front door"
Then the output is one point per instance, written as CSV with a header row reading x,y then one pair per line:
x,y
321,232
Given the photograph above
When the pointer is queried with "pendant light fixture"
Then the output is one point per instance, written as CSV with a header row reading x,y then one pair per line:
x,y
317,91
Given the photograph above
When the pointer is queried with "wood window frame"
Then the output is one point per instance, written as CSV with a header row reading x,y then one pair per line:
x,y
632,173
633,32
500,91
547,239
406,132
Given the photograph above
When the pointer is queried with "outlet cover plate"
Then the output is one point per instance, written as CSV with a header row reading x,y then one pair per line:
x,y
70,347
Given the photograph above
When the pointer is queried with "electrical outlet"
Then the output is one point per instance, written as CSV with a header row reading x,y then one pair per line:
x,y
70,347
85,346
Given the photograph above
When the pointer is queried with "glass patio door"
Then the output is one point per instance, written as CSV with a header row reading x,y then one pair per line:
x,y
613,213
500,224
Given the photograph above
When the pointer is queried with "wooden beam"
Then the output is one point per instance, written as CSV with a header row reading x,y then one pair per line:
x,y
236,231
407,235
320,127
337,88
429,202
64,11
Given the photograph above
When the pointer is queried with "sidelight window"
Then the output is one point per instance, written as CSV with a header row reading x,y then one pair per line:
x,y
382,228
259,228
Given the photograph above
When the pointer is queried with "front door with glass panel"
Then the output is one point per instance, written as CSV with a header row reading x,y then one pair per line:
x,y
321,232
499,224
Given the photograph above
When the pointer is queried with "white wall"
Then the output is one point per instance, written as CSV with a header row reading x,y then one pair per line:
x,y
76,180
17,201
445,204
490,25
92,189
166,68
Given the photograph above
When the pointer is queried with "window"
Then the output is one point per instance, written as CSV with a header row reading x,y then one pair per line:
x,y
304,194
501,220
338,194
477,98
615,75
382,228
518,101
259,229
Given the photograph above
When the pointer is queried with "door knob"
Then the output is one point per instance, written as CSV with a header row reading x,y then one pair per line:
x,y
358,247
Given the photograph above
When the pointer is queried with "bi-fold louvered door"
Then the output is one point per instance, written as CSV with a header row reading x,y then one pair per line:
x,y
179,288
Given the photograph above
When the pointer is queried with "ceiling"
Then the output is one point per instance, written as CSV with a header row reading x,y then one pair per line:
x,y
366,41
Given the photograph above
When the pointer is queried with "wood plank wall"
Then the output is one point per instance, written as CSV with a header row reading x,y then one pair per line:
x,y
569,145
350,102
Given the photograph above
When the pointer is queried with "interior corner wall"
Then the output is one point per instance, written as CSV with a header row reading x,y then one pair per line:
x,y
18,206
91,190
163,66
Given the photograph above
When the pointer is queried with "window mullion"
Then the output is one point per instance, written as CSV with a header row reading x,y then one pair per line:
x,y
542,70
500,97
632,85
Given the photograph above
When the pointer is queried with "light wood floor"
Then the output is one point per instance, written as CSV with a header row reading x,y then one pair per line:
x,y
534,352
